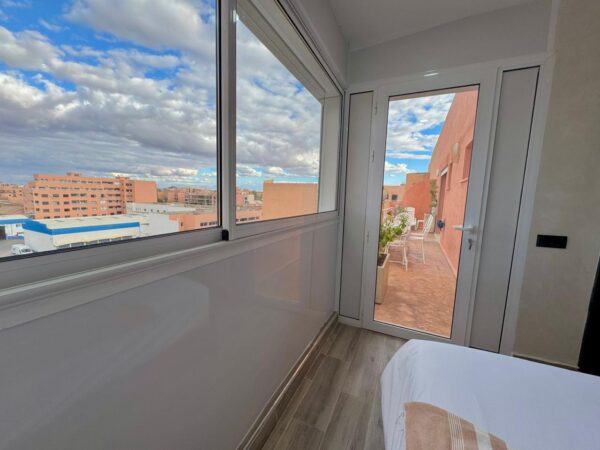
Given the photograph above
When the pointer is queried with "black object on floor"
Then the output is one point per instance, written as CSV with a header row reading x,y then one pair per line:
x,y
589,356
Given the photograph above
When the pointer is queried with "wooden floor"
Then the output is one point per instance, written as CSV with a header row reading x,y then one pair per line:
x,y
337,405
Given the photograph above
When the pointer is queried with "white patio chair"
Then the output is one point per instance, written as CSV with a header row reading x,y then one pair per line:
x,y
400,245
421,222
410,213
427,227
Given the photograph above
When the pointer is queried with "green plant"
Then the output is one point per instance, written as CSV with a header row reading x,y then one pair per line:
x,y
387,233
388,230
433,192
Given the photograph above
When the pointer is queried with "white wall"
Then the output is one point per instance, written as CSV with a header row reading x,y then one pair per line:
x,y
320,22
506,33
557,283
158,224
185,360
39,242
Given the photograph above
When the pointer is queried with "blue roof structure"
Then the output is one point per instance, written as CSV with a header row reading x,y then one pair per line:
x,y
33,225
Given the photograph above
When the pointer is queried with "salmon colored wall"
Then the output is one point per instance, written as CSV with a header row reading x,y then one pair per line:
x,y
289,199
453,151
416,194
144,191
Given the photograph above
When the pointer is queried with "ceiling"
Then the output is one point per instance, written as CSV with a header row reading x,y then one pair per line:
x,y
369,22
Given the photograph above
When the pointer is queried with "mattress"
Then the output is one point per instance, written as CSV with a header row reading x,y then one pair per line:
x,y
531,406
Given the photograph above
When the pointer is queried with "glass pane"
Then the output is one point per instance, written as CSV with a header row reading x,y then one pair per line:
x,y
278,136
427,164
109,119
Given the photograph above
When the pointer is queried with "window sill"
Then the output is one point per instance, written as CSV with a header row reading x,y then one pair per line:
x,y
31,269
244,230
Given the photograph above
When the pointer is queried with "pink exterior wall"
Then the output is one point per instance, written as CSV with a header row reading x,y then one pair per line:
x,y
289,199
453,152
416,194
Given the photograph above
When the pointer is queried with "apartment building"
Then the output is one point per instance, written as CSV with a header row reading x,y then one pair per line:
x,y
189,196
11,192
75,195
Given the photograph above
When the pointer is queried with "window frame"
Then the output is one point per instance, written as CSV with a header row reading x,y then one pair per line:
x,y
16,272
231,228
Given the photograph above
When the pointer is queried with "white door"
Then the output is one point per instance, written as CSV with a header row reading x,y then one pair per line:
x,y
430,155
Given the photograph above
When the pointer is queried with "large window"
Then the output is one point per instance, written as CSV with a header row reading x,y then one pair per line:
x,y
110,130
107,121
288,115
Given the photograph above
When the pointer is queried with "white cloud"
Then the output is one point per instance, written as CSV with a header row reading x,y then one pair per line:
x,y
407,155
274,170
26,49
170,172
243,170
98,111
278,124
16,3
391,168
50,26
410,122
156,24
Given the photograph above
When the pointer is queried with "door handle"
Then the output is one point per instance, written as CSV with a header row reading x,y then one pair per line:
x,y
463,228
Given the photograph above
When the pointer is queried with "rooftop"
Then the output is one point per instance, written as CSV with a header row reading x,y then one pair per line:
x,y
85,224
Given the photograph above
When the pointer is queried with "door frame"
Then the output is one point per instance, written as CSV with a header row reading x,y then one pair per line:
x,y
486,79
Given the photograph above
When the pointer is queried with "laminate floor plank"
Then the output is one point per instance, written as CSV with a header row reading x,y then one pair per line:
x,y
300,436
369,360
345,343
374,439
286,417
338,403
348,426
320,399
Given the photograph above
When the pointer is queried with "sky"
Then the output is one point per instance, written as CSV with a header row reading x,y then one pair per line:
x,y
414,126
127,87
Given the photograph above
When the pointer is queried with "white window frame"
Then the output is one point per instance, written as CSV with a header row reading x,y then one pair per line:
x,y
16,273
231,229
450,80
28,269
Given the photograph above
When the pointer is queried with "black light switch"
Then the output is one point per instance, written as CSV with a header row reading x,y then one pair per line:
x,y
551,241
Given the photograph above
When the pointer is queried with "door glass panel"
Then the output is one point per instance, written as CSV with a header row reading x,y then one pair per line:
x,y
426,176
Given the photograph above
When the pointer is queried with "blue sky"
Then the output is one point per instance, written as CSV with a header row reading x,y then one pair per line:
x,y
128,87
414,126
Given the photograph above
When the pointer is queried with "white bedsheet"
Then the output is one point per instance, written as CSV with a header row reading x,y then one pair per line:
x,y
531,406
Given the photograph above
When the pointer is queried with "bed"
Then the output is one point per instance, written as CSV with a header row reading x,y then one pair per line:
x,y
531,406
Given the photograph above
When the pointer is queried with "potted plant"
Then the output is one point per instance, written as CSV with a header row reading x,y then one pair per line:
x,y
388,231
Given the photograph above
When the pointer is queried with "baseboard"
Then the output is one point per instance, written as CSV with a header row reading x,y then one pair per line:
x,y
546,361
260,430
349,321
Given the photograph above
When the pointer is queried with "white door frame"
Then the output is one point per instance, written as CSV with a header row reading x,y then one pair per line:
x,y
486,78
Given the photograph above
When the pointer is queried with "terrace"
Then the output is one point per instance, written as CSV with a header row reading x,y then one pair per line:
x,y
421,296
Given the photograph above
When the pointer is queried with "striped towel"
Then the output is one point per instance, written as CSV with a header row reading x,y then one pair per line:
x,y
428,427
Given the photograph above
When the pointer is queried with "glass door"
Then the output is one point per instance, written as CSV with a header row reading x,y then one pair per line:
x,y
421,266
